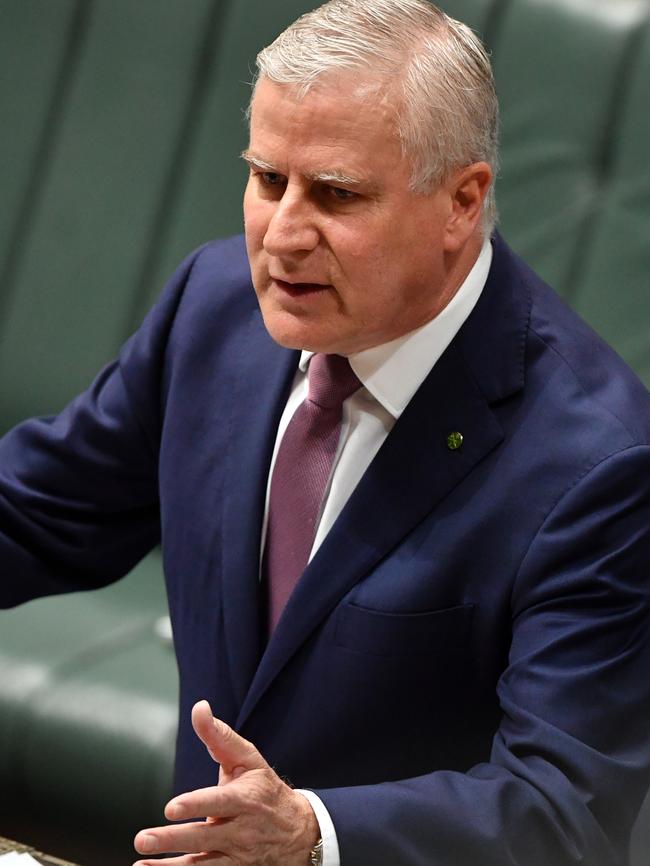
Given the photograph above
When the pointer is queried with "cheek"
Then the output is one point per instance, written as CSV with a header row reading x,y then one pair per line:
x,y
367,272
374,269
360,254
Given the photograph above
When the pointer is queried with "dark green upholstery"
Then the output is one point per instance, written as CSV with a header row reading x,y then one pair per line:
x,y
613,288
120,109
87,717
33,49
122,122
573,130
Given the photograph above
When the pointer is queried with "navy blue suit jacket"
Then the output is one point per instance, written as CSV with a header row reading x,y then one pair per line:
x,y
463,672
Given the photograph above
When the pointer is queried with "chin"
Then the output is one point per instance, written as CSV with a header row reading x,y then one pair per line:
x,y
286,332
302,338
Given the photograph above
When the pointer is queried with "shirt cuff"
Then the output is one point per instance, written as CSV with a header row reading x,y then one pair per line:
x,y
331,855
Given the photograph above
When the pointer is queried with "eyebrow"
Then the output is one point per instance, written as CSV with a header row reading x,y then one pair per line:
x,y
320,176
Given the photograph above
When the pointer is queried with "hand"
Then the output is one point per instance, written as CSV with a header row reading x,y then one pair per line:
x,y
252,818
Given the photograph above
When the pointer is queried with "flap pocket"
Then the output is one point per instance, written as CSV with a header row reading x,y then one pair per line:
x,y
389,634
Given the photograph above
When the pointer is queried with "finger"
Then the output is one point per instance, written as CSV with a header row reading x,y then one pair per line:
x,y
189,860
224,745
226,801
222,803
193,838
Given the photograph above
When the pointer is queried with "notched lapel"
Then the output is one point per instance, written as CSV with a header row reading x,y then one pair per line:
x,y
412,472
416,467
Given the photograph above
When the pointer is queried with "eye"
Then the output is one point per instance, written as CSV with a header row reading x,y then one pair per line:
x,y
271,178
341,194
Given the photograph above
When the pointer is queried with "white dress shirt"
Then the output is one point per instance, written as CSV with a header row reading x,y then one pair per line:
x,y
390,375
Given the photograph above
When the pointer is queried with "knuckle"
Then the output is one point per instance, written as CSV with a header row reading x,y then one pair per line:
x,y
250,801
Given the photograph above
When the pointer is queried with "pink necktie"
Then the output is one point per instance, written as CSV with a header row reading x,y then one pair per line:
x,y
300,475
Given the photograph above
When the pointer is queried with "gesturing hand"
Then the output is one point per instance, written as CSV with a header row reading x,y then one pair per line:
x,y
252,818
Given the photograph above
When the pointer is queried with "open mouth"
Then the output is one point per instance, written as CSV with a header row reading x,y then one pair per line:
x,y
297,289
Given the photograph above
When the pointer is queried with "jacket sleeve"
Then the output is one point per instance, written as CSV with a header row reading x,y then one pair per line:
x,y
78,492
569,763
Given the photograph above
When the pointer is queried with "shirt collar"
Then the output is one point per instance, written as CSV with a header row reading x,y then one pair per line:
x,y
394,371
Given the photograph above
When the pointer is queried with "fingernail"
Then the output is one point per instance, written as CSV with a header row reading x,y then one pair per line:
x,y
148,844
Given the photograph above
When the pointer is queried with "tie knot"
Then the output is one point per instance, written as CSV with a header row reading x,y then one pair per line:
x,y
331,380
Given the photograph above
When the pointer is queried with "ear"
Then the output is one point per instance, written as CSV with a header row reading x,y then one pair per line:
x,y
467,188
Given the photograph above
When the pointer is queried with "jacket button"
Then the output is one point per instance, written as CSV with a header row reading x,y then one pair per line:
x,y
454,440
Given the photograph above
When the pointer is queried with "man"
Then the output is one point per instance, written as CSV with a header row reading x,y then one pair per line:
x,y
459,674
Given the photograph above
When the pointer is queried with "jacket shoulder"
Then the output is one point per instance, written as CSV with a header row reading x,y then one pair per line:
x,y
567,368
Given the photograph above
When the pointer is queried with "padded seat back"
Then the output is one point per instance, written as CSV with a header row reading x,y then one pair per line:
x,y
612,289
99,128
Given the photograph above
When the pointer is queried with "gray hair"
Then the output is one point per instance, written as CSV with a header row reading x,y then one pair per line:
x,y
447,115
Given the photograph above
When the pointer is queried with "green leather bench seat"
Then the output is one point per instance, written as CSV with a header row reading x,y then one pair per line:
x,y
88,717
118,106
122,124
613,289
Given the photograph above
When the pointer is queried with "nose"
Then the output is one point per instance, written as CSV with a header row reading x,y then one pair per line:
x,y
292,228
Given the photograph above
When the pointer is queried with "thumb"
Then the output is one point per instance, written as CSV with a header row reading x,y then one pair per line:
x,y
225,746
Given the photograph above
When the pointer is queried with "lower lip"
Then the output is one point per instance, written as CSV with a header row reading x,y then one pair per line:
x,y
300,290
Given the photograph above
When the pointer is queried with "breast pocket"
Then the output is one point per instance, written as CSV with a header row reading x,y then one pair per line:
x,y
374,632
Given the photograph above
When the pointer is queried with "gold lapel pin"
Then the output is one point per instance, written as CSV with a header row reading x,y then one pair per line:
x,y
454,440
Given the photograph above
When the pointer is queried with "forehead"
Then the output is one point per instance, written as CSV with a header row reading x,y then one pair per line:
x,y
338,120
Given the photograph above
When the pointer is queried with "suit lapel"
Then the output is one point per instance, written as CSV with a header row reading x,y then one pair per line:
x,y
415,468
260,388
412,472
